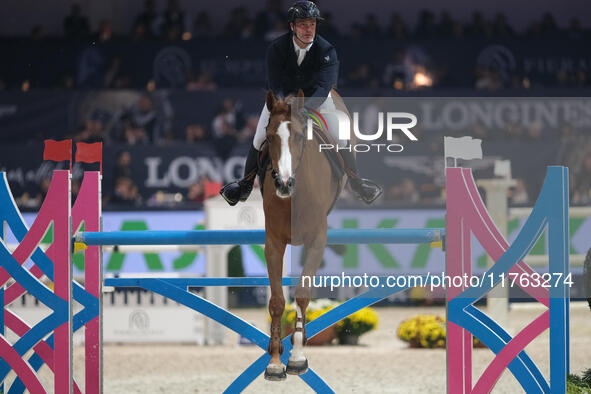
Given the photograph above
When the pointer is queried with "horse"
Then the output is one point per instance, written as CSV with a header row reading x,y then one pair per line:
x,y
299,191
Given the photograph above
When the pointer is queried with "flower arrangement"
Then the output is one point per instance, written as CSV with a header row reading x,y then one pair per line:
x,y
356,325
426,331
423,331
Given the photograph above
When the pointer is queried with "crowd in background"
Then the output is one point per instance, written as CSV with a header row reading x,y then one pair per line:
x,y
171,23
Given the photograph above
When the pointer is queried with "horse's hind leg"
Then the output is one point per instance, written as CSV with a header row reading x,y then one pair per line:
x,y
274,255
298,364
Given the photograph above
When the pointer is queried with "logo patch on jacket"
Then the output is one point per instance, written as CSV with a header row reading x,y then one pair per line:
x,y
326,58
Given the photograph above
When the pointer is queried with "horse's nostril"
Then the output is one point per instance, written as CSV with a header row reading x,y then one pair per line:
x,y
290,182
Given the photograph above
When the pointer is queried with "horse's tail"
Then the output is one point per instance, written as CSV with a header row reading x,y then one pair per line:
x,y
587,277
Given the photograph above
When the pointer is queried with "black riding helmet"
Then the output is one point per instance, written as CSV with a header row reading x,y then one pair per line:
x,y
303,10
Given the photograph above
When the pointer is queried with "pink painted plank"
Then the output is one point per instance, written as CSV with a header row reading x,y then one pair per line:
x,y
59,204
87,209
22,369
493,372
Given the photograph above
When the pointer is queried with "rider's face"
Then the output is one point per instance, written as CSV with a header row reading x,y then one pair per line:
x,y
305,30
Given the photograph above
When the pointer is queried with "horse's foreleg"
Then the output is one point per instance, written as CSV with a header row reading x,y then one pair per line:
x,y
274,256
298,364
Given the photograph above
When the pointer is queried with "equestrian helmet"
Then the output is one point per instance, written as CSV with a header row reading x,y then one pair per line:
x,y
303,10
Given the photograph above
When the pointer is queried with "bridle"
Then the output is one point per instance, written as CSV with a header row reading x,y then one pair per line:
x,y
274,174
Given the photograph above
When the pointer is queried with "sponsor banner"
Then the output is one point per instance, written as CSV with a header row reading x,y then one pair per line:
x,y
375,259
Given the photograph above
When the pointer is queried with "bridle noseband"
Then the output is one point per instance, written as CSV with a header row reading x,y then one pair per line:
x,y
274,174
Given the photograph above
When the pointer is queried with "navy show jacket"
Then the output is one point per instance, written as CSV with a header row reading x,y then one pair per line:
x,y
316,76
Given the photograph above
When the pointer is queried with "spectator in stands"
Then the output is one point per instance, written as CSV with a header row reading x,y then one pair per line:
x,y
457,31
426,27
144,116
246,134
126,192
501,28
94,127
278,30
237,23
361,76
202,26
548,27
397,28
67,82
248,29
203,189
574,31
445,26
371,27
123,166
76,25
405,191
134,135
477,28
114,78
327,27
173,21
139,32
356,32
195,133
266,20
487,79
146,20
202,82
105,32
37,33
196,192
225,127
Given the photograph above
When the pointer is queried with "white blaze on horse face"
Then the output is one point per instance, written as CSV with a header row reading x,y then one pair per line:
x,y
285,158
297,353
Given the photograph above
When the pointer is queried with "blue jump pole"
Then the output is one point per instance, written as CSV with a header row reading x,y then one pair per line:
x,y
257,237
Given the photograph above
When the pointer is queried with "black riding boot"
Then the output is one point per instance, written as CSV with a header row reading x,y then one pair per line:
x,y
240,190
365,189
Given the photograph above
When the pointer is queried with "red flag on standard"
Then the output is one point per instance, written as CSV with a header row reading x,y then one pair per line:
x,y
90,153
58,150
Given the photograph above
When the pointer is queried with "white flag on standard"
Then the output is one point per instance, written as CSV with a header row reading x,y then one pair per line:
x,y
466,148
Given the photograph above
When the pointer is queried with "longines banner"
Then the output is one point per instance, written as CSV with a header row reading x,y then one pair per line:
x,y
173,168
352,259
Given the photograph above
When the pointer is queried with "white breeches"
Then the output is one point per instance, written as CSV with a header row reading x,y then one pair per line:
x,y
331,123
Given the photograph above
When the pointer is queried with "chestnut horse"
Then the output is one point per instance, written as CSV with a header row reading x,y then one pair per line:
x,y
298,192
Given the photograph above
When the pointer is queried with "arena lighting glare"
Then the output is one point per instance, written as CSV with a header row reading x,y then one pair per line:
x,y
422,79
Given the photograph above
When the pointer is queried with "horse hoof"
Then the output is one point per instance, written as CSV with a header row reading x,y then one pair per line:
x,y
297,367
275,373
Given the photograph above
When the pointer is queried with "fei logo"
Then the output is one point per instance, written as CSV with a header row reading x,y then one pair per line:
x,y
339,125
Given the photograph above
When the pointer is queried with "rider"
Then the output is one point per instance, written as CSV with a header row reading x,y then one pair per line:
x,y
300,59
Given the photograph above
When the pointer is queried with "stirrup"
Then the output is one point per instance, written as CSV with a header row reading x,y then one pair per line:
x,y
237,191
231,193
363,187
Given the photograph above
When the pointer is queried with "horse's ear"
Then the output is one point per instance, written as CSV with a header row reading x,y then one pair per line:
x,y
299,100
270,100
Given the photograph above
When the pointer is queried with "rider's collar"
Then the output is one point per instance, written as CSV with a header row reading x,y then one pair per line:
x,y
297,47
